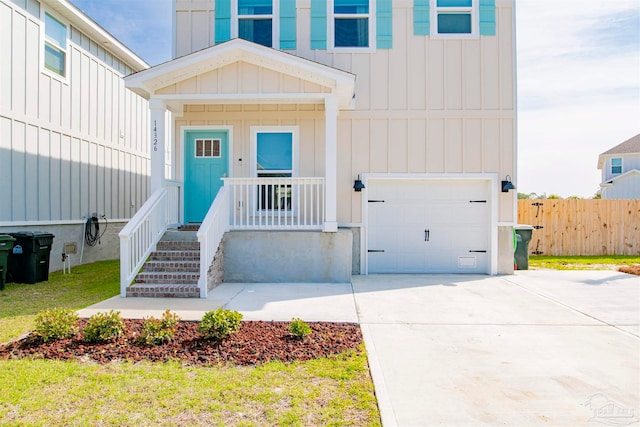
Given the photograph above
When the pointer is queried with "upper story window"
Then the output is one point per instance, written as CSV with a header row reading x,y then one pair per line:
x,y
55,45
257,21
351,23
454,18
616,165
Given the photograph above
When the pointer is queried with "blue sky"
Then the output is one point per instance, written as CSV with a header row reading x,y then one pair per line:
x,y
578,80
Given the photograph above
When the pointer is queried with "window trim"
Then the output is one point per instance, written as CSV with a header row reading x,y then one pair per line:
x,y
275,22
621,165
44,40
293,130
195,148
295,143
434,10
331,19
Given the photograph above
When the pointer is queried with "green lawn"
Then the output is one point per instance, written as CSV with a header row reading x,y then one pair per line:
x,y
86,285
582,262
335,391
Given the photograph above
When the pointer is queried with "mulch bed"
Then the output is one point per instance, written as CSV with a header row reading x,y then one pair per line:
x,y
630,269
256,342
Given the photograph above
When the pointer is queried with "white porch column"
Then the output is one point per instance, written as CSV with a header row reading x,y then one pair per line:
x,y
158,135
331,167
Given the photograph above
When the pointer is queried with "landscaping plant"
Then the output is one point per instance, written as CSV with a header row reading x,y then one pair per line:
x,y
219,324
298,328
56,323
104,327
156,331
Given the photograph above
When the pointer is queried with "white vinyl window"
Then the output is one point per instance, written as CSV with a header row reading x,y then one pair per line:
x,y
351,24
616,166
207,148
256,21
454,18
275,153
55,45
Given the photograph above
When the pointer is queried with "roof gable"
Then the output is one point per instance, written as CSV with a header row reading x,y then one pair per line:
x,y
147,83
630,146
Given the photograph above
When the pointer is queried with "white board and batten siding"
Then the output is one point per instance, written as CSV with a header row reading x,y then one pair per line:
x,y
425,106
68,146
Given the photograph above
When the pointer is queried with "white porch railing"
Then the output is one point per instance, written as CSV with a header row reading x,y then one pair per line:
x,y
210,235
276,203
139,237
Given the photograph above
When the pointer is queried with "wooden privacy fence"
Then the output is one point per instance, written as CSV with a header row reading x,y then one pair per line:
x,y
582,227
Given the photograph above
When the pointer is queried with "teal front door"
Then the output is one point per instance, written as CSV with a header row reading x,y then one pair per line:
x,y
206,161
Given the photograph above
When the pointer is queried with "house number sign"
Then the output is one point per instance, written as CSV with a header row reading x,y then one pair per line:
x,y
155,135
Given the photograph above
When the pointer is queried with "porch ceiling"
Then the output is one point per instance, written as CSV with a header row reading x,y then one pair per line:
x,y
319,81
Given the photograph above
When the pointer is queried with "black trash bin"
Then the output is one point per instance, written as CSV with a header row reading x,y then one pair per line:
x,y
523,236
29,259
6,245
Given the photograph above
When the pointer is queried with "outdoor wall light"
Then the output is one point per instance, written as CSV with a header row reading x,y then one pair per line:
x,y
507,184
358,185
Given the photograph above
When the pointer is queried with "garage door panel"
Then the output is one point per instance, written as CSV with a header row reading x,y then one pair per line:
x,y
455,213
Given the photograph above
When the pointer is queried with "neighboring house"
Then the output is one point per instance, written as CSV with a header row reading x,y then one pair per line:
x,y
272,112
73,139
621,170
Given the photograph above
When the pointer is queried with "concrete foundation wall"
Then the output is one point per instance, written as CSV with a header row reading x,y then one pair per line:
x,y
109,247
288,256
505,250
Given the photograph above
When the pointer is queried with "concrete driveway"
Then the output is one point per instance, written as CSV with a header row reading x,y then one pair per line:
x,y
536,348
556,348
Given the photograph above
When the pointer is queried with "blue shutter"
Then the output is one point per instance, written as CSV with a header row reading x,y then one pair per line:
x,y
223,21
384,24
319,24
487,17
421,18
287,24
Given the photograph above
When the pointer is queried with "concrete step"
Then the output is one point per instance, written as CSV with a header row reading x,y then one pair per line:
x,y
168,278
172,266
178,255
161,290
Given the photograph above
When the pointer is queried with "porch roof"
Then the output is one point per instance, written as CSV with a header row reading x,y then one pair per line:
x,y
151,83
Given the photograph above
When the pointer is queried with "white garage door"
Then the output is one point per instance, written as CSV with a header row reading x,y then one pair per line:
x,y
420,226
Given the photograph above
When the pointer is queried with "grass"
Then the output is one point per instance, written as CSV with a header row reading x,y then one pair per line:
x,y
86,285
582,262
332,392
335,391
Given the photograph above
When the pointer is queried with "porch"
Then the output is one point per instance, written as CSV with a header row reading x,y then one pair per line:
x,y
278,209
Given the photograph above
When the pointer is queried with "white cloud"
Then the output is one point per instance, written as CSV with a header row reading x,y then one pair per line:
x,y
578,89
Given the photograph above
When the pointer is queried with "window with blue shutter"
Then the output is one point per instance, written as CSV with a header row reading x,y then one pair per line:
x,y
351,24
454,18
223,21
287,24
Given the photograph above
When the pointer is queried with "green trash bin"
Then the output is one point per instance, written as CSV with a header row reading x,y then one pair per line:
x,y
6,245
29,259
523,236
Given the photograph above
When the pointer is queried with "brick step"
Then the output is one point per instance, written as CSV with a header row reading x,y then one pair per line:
x,y
168,278
172,266
160,290
166,255
164,245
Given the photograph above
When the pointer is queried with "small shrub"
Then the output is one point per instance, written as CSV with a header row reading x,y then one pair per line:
x,y
56,323
219,324
156,331
104,327
298,328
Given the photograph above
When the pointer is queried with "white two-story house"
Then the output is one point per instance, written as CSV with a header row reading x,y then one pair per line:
x,y
620,167
322,138
73,139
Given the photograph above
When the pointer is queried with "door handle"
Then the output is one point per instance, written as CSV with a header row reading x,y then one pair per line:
x,y
426,234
